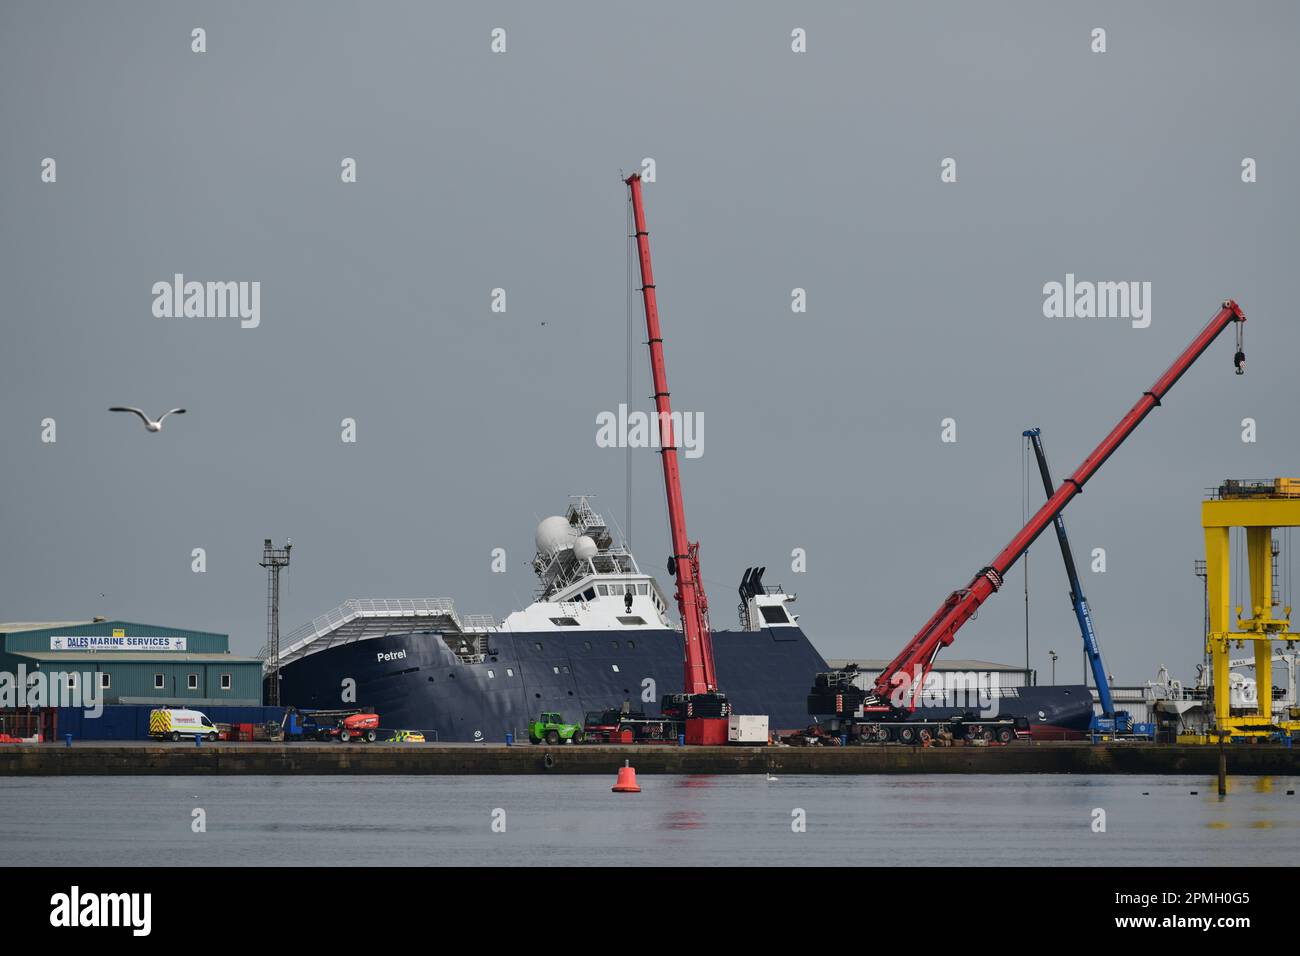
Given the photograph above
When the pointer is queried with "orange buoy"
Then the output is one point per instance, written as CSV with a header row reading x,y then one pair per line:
x,y
626,782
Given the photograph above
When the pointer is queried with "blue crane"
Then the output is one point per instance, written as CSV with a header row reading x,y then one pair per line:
x,y
1111,721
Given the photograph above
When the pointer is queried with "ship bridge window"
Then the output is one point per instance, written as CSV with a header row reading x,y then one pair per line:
x,y
774,614
643,589
589,594
633,620
561,622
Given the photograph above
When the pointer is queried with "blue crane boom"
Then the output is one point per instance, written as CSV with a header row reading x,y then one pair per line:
x,y
1117,721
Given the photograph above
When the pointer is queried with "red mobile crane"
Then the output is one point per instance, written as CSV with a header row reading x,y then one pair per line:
x,y
915,660
896,690
700,697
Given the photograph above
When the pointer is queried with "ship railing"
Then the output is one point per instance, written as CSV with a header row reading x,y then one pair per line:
x,y
353,608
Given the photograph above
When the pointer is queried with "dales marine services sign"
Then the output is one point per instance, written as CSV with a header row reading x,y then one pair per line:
x,y
117,642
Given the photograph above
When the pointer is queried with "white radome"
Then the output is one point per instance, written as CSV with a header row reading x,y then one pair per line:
x,y
584,548
554,534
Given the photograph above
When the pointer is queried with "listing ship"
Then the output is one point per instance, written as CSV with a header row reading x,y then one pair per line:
x,y
597,638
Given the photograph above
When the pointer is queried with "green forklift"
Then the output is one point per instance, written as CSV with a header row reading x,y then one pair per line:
x,y
552,729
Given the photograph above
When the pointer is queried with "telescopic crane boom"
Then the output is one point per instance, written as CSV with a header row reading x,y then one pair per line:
x,y
684,565
1120,721
907,671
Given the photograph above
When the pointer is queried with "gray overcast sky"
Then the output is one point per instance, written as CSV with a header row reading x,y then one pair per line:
x,y
775,170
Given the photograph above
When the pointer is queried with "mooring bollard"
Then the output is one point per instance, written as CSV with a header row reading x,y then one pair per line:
x,y
68,738
510,738
681,740
197,739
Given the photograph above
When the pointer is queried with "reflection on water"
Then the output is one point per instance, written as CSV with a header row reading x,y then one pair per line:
x,y
683,820
695,820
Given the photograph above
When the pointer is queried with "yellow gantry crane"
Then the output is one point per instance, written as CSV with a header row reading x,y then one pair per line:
x,y
1259,507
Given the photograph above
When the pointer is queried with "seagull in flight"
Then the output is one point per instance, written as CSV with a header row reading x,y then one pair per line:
x,y
149,423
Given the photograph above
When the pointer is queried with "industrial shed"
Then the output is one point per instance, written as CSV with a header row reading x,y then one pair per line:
x,y
133,663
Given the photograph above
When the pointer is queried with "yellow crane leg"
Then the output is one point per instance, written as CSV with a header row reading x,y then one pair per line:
x,y
1219,584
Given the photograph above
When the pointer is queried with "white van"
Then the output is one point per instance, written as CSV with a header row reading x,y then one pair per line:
x,y
177,723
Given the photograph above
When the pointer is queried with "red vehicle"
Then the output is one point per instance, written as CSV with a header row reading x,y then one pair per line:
x,y
612,726
357,727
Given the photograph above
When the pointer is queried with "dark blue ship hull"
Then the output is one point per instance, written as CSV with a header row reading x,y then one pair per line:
x,y
414,681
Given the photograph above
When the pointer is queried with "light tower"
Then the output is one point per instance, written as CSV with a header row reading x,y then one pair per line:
x,y
273,559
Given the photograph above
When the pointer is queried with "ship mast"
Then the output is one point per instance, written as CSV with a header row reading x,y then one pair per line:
x,y
684,565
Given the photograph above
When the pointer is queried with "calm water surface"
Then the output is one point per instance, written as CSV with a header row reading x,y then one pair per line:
x,y
677,820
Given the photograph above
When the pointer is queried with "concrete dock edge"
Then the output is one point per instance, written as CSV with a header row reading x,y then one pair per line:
x,y
255,759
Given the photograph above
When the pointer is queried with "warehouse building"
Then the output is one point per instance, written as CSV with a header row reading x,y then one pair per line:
x,y
131,663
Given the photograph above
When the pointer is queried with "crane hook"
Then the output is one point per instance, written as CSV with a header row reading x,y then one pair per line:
x,y
1239,360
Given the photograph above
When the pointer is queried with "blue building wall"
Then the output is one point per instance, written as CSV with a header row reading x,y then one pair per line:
x,y
128,722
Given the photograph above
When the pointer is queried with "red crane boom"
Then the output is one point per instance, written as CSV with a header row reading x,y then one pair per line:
x,y
905,675
699,676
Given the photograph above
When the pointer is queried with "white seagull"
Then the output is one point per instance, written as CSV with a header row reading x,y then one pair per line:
x,y
149,423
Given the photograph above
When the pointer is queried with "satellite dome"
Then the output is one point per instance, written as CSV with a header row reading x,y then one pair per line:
x,y
584,548
554,534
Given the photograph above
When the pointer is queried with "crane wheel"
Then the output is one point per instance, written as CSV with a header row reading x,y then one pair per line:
x,y
906,735
1005,736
